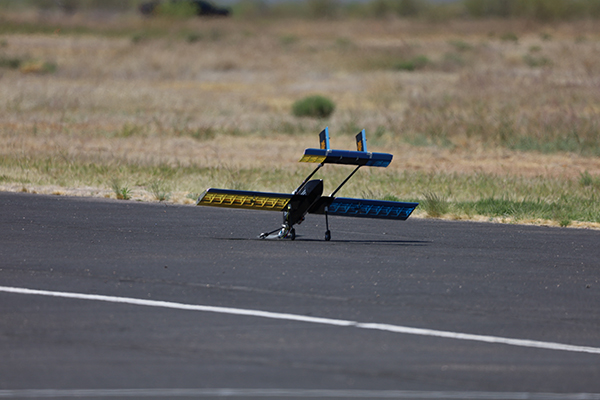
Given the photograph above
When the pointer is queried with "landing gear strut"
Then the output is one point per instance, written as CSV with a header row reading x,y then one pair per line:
x,y
327,232
284,233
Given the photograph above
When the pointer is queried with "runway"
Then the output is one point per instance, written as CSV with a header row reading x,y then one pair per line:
x,y
442,290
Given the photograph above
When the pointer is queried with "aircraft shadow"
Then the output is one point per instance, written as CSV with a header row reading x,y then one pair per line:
x,y
300,239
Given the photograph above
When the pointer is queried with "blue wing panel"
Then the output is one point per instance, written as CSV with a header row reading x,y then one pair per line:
x,y
365,208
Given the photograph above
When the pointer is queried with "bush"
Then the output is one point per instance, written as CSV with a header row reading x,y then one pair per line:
x,y
413,64
323,8
314,107
10,63
181,9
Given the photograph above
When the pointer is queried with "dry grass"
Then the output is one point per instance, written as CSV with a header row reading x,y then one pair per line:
x,y
147,103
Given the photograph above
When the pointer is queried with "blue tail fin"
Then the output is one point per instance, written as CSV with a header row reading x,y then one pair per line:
x,y
361,141
324,139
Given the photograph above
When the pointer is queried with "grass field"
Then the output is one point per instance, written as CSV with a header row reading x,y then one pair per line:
x,y
487,119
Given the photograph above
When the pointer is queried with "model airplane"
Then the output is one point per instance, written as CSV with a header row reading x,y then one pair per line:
x,y
308,197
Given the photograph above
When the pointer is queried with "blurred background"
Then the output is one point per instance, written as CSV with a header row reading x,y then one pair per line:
x,y
491,107
546,10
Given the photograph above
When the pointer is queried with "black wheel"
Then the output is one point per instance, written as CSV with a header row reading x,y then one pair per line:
x,y
328,236
293,234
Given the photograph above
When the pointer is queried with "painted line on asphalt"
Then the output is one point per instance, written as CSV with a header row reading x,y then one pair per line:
x,y
291,393
314,320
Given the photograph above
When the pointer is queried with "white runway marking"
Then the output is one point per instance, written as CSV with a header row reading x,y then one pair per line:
x,y
291,393
313,320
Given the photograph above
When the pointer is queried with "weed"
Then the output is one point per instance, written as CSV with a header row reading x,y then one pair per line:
x,y
535,49
216,34
128,130
564,222
121,192
314,107
536,62
138,37
588,180
435,205
460,45
290,128
344,43
452,60
158,190
194,37
415,63
509,37
288,40
38,67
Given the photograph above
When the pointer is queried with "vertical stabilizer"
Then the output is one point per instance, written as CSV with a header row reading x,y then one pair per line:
x,y
324,139
361,141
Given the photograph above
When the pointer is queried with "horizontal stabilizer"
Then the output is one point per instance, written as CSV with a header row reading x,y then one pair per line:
x,y
244,199
365,208
346,157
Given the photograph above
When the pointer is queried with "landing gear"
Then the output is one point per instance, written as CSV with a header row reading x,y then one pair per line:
x,y
265,235
285,232
327,232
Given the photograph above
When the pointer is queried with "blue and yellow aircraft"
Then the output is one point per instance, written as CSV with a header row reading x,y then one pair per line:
x,y
308,197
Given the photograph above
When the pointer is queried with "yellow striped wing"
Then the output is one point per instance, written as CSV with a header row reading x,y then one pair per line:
x,y
244,199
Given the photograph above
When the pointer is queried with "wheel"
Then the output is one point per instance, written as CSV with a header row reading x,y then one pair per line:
x,y
328,235
293,234
262,235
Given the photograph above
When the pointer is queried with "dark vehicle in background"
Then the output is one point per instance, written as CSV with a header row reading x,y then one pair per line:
x,y
203,8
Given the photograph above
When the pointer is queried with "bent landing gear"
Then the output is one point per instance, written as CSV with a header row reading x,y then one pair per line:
x,y
285,232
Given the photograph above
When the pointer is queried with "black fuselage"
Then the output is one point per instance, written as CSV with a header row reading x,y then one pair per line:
x,y
302,201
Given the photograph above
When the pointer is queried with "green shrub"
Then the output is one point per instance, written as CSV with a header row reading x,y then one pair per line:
x,y
193,37
412,64
408,8
323,8
10,63
460,45
509,37
181,9
138,37
314,107
38,67
535,62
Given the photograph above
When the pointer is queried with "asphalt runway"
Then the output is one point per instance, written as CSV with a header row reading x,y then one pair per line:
x,y
163,301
